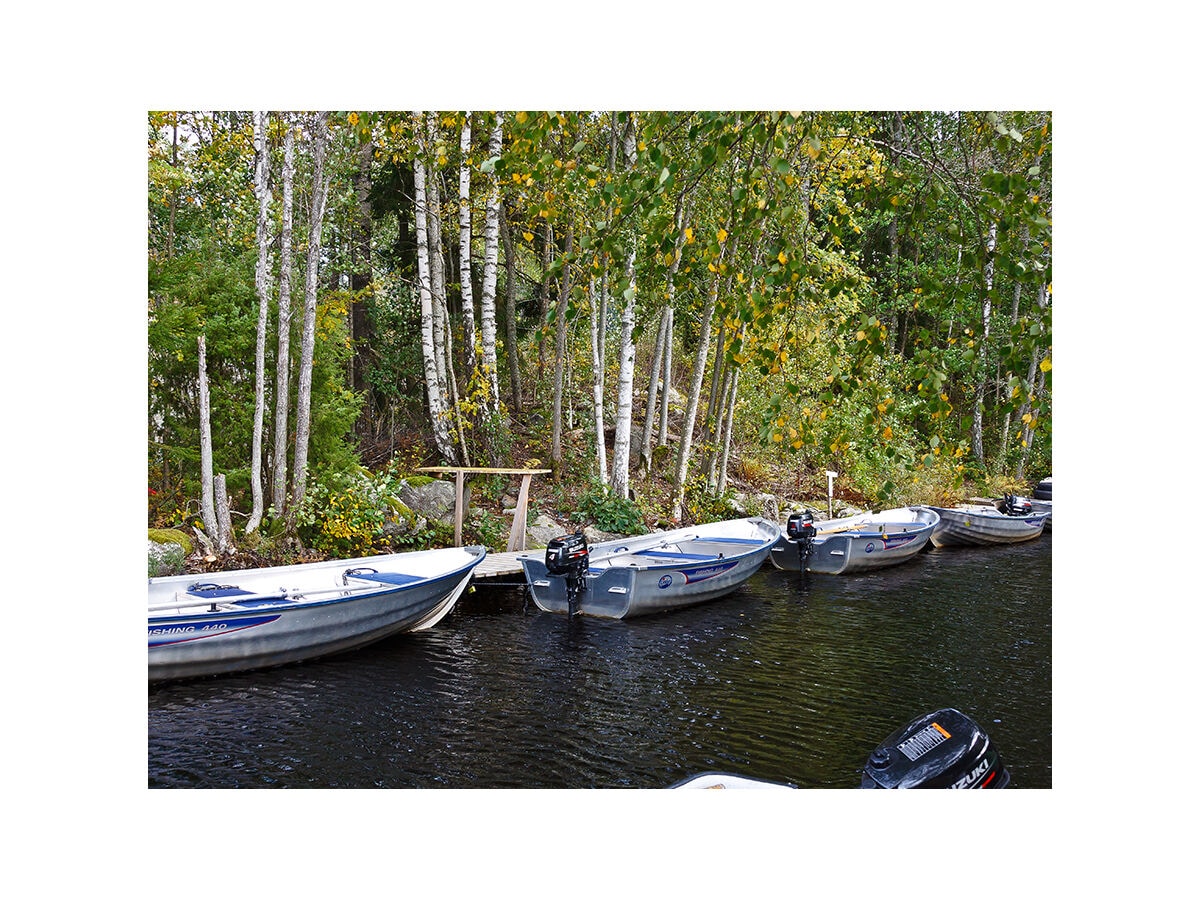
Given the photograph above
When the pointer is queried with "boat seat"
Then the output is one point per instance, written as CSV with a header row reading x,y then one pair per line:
x,y
729,540
396,578
213,591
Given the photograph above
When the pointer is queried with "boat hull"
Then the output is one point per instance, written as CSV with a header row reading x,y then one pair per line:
x,y
860,543
983,526
260,618
659,572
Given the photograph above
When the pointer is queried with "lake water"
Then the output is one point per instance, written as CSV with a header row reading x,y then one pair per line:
x,y
788,679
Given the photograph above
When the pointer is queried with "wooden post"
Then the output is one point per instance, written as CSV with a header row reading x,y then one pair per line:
x,y
459,477
516,537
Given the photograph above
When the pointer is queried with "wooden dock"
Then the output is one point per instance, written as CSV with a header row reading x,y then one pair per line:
x,y
499,567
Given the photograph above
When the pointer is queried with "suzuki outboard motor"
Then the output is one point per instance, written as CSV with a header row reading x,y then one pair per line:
x,y
1016,506
567,557
800,526
943,749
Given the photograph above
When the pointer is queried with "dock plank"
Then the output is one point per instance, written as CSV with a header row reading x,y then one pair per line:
x,y
499,565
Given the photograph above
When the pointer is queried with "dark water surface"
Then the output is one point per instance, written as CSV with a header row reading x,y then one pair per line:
x,y
783,680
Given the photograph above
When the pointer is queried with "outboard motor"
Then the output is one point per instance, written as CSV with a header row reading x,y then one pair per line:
x,y
567,557
800,530
1016,506
943,749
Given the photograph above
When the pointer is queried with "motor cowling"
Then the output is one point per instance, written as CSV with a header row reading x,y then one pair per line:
x,y
567,555
1016,506
942,749
800,526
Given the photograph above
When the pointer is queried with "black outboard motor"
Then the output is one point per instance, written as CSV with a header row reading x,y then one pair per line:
x,y
800,530
800,526
943,749
567,556
1016,506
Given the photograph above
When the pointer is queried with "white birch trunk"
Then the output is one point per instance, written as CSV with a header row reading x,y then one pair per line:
x,y
666,387
560,353
624,420
308,338
464,243
208,512
722,481
437,404
225,543
262,270
437,269
660,343
977,417
487,302
598,384
689,419
283,353
652,395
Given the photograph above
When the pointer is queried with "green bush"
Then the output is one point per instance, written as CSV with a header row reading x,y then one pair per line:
x,y
608,512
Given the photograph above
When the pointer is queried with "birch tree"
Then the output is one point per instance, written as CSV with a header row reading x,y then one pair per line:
x,y
464,242
262,271
433,382
283,349
208,513
598,381
624,420
560,351
487,301
320,187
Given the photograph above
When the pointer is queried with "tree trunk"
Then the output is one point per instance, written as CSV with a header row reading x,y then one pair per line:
x,y
560,352
360,282
262,272
977,417
598,384
225,542
689,419
652,395
308,339
487,310
512,350
624,420
732,405
437,268
661,350
283,353
208,512
666,388
464,243
433,384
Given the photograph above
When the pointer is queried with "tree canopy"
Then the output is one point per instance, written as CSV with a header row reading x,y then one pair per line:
x,y
869,291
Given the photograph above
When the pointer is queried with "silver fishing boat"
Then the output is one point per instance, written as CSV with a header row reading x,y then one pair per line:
x,y
255,618
872,540
977,525
650,573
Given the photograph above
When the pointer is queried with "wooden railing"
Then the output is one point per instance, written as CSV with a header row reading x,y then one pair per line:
x,y
516,538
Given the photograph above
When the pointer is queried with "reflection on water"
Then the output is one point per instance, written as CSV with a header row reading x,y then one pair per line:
x,y
788,679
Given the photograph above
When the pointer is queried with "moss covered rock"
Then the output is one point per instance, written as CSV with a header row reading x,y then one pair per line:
x,y
171,536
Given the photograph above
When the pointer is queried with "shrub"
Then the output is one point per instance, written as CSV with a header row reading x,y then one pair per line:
x,y
608,512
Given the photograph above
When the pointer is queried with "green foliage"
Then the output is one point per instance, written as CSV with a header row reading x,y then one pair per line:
x,y
358,513
703,507
609,512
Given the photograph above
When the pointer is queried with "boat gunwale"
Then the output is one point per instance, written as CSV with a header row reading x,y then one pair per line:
x,y
287,604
